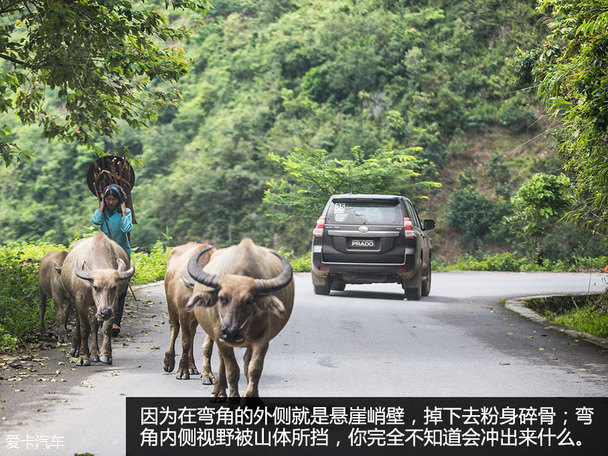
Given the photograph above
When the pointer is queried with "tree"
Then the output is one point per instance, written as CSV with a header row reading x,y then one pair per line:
x,y
78,67
312,177
573,76
473,213
538,204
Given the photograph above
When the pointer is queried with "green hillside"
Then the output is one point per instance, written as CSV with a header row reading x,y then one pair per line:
x,y
272,75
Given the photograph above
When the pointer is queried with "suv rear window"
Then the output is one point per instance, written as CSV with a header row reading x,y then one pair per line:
x,y
365,212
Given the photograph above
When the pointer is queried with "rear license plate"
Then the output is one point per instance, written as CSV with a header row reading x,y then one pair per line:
x,y
363,244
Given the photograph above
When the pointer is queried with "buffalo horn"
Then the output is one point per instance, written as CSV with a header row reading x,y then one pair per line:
x,y
197,273
84,272
278,282
122,274
187,280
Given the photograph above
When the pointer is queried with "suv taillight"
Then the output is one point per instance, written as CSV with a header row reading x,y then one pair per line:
x,y
408,229
318,231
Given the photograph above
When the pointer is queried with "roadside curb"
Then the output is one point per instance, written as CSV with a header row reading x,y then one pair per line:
x,y
517,305
147,285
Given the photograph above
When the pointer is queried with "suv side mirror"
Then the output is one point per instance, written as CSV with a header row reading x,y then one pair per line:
x,y
428,224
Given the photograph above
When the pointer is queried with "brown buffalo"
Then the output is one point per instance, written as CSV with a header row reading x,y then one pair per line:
x,y
94,274
178,290
50,286
243,299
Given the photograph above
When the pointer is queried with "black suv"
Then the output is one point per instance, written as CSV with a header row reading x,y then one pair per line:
x,y
371,239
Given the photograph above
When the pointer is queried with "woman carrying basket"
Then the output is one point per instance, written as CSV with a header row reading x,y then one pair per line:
x,y
114,217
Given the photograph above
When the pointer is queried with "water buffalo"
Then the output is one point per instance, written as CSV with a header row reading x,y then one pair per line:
x,y
178,290
243,298
94,273
50,286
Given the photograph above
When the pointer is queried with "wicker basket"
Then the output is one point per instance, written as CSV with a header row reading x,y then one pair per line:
x,y
110,170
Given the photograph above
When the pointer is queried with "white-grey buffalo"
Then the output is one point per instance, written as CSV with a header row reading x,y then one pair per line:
x,y
94,275
50,286
178,290
243,298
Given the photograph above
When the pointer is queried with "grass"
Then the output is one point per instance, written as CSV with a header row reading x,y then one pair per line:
x,y
586,315
510,261
586,319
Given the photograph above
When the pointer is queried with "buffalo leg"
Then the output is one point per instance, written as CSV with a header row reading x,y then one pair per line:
x,y
231,368
105,356
219,388
85,330
186,361
41,310
169,361
62,334
193,326
246,361
74,351
94,339
207,374
256,364
69,308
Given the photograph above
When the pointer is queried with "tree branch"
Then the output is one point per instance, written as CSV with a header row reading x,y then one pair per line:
x,y
11,8
14,60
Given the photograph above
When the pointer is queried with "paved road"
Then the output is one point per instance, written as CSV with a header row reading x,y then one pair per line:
x,y
365,341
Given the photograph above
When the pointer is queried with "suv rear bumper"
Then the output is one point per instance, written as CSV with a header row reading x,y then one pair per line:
x,y
362,272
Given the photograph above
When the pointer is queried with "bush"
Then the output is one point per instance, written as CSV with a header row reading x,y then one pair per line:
x,y
472,213
302,263
19,290
509,261
515,113
150,267
298,264
7,342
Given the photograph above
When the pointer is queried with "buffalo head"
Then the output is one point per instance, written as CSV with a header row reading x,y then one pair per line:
x,y
242,299
106,285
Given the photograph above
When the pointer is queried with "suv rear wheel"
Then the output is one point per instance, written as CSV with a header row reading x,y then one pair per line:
x,y
426,283
415,293
324,288
338,285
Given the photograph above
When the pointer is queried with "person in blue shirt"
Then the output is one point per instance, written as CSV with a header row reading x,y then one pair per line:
x,y
115,220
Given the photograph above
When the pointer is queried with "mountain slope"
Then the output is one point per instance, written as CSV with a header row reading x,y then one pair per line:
x,y
274,75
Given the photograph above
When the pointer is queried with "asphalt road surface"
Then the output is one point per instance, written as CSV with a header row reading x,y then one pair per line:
x,y
365,341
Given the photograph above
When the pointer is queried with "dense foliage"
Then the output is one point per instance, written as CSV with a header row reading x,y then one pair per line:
x,y
573,75
19,290
274,75
78,67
